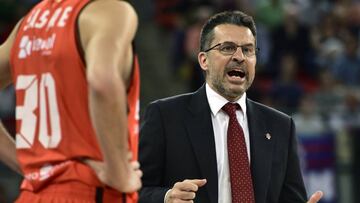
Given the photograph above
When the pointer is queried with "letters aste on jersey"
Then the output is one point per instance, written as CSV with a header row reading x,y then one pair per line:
x,y
53,125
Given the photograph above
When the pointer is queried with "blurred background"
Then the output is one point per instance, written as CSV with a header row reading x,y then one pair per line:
x,y
308,67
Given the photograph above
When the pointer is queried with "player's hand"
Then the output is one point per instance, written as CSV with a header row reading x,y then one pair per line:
x,y
98,167
315,197
184,191
131,182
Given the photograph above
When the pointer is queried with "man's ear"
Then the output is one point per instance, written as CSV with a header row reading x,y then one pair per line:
x,y
202,58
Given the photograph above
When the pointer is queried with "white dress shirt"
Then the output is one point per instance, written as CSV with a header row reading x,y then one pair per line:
x,y
220,121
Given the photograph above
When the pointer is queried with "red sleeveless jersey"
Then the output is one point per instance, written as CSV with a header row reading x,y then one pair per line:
x,y
53,125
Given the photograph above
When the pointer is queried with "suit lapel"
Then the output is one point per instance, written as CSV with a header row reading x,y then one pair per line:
x,y
201,136
261,150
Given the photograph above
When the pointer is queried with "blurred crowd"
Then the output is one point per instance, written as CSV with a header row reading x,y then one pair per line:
x,y
308,66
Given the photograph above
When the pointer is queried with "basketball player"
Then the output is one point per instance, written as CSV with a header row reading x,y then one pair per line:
x,y
77,89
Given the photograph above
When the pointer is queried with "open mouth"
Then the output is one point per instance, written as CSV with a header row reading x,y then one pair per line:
x,y
236,73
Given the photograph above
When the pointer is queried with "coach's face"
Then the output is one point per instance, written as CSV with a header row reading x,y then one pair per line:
x,y
230,65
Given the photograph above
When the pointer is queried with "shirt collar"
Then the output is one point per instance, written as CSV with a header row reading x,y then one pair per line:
x,y
216,101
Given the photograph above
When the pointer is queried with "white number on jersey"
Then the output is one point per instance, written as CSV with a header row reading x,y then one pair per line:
x,y
43,98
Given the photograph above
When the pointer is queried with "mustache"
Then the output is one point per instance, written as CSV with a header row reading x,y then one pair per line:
x,y
236,65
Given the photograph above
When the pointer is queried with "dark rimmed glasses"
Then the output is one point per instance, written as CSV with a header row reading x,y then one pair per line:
x,y
229,48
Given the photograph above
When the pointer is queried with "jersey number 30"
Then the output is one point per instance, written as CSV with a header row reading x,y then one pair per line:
x,y
41,97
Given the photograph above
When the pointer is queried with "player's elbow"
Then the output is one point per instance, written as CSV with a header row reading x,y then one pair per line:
x,y
103,83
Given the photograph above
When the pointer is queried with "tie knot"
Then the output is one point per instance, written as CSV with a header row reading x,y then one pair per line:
x,y
230,108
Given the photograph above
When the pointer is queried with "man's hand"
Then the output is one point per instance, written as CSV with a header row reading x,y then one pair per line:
x,y
131,184
315,197
184,191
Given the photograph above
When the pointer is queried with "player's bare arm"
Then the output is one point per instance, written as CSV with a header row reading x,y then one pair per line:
x,y
107,28
8,150
7,144
5,49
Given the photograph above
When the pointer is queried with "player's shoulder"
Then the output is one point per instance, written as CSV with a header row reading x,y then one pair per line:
x,y
109,16
109,8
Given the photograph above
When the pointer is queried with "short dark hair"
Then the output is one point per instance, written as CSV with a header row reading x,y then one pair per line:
x,y
227,17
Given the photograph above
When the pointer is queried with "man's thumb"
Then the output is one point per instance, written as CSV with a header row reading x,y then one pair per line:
x,y
199,182
315,197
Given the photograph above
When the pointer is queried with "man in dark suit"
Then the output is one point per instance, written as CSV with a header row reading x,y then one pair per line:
x,y
185,152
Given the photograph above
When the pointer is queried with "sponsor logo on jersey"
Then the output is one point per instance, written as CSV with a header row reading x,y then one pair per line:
x,y
46,171
30,45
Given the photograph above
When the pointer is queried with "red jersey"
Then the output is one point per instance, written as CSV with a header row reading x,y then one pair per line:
x,y
53,125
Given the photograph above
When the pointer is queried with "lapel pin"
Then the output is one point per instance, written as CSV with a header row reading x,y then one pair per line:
x,y
268,136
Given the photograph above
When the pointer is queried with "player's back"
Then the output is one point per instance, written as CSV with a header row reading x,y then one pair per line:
x,y
54,129
53,123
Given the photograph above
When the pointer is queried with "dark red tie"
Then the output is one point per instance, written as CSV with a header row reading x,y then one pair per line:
x,y
240,176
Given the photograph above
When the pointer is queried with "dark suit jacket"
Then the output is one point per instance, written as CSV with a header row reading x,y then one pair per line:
x,y
177,143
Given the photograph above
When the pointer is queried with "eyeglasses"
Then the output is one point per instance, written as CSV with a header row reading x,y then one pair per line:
x,y
229,48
